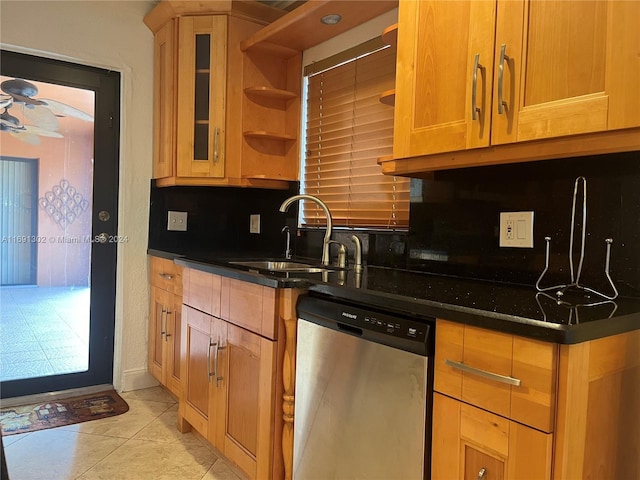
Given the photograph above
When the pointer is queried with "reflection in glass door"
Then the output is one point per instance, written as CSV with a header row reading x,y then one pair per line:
x,y
56,314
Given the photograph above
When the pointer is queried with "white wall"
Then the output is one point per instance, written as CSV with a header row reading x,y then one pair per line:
x,y
111,35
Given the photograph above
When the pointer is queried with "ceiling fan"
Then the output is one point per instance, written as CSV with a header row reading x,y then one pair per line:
x,y
41,113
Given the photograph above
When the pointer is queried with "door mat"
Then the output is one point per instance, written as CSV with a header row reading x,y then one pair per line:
x,y
57,413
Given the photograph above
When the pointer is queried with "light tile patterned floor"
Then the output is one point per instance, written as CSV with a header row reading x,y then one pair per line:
x,y
142,444
43,331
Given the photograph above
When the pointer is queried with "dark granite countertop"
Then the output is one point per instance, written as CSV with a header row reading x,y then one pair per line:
x,y
509,308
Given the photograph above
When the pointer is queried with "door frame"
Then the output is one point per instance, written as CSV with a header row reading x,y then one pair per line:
x,y
106,155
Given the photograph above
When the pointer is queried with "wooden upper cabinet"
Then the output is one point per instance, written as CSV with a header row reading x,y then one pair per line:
x,y
201,91
443,96
571,68
200,109
546,69
164,100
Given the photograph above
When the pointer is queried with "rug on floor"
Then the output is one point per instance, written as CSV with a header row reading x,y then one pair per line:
x,y
57,413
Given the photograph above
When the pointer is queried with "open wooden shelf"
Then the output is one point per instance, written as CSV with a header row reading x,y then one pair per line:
x,y
301,29
390,35
388,97
269,135
269,92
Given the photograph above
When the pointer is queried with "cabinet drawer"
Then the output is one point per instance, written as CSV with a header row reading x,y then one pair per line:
x,y
202,291
509,375
165,275
250,306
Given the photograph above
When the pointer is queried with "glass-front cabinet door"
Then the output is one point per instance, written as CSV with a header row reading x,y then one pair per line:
x,y
200,94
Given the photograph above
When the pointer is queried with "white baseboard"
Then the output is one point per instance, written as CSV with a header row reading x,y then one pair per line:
x,y
137,379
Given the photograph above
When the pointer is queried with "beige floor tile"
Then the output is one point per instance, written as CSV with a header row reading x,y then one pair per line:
x,y
141,413
142,460
221,470
153,394
57,454
163,429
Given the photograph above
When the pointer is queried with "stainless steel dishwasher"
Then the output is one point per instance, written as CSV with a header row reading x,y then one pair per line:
x,y
363,393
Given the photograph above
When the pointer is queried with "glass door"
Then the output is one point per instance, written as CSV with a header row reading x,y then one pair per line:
x,y
58,223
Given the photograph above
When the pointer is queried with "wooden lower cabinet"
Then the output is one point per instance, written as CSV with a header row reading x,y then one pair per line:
x,y
232,370
165,325
196,369
574,415
470,443
245,402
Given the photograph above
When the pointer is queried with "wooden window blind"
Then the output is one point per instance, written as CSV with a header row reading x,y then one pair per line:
x,y
347,130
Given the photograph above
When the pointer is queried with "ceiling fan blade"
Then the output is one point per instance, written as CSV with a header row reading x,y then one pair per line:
x,y
41,131
60,108
25,137
41,116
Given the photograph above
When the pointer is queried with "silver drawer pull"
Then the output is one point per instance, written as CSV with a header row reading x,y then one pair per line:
x,y
166,276
482,373
481,473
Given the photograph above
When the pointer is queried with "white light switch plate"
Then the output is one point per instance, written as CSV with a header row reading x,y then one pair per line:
x,y
254,223
516,229
177,221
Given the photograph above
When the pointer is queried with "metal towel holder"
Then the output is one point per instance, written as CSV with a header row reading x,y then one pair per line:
x,y
575,275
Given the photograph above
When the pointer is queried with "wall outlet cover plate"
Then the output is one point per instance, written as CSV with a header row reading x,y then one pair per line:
x,y
254,223
177,221
516,229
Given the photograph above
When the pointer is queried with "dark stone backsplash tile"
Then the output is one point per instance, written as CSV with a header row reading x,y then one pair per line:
x,y
218,220
454,221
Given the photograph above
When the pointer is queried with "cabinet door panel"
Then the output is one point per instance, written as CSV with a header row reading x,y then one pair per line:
x,y
157,311
164,101
201,96
467,440
173,341
564,71
249,398
196,347
437,46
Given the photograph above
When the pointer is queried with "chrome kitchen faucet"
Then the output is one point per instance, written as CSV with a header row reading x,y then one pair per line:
x,y
327,234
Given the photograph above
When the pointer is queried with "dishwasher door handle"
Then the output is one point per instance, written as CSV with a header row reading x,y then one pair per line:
x,y
483,373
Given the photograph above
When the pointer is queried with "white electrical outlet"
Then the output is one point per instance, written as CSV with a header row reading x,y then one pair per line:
x,y
516,229
177,221
254,223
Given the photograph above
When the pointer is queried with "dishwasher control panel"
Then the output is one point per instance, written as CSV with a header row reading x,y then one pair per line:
x,y
387,328
401,327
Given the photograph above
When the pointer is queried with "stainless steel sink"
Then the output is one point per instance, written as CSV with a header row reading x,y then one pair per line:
x,y
281,266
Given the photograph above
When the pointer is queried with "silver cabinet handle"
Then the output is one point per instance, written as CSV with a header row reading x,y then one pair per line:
x,y
483,373
503,56
216,135
209,374
215,363
481,473
163,316
475,110
166,276
166,325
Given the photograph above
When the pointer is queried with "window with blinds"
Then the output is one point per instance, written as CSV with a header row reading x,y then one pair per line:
x,y
347,130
